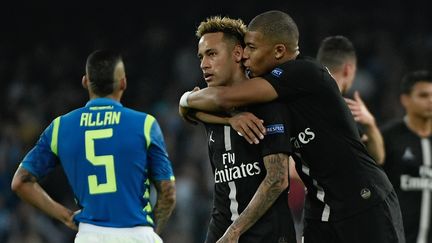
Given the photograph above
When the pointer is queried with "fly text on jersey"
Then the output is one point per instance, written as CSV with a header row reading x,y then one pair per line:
x,y
233,172
90,119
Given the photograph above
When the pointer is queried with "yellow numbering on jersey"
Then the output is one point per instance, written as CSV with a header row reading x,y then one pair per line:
x,y
100,160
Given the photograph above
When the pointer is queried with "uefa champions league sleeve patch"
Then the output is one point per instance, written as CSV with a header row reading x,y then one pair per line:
x,y
277,72
275,128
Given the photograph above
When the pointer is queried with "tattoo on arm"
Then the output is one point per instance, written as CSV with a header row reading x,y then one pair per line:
x,y
271,187
165,203
25,176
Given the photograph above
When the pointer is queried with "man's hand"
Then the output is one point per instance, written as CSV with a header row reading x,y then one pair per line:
x,y
360,111
249,126
69,222
230,236
185,112
372,137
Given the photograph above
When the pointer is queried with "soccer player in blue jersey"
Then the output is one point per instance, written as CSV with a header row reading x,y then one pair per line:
x,y
110,155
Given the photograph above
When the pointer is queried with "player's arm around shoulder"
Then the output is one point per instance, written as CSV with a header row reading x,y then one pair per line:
x,y
165,203
252,91
275,182
25,185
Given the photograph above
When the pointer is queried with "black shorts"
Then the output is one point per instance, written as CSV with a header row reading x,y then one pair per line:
x,y
380,224
276,226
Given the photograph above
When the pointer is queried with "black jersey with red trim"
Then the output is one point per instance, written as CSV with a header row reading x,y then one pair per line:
x,y
238,170
342,179
409,167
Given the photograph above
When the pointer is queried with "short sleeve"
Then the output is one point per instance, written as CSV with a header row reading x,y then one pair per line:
x,y
160,167
296,79
277,139
40,160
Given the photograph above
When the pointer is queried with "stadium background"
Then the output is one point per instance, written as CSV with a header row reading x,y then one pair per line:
x,y
43,47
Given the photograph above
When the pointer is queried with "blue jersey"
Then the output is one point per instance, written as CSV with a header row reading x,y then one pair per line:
x,y
110,154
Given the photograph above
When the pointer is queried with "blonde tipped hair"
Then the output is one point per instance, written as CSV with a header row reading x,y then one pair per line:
x,y
233,29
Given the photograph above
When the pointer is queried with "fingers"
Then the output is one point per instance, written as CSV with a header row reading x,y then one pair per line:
x,y
357,97
245,135
190,120
251,133
350,101
249,126
183,112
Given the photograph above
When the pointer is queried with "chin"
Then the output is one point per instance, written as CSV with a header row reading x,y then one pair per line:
x,y
210,84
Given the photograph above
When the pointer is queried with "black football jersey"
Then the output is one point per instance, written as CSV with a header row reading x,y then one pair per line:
x,y
341,177
408,166
238,170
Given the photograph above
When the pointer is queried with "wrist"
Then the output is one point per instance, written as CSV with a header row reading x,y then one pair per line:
x,y
234,230
370,124
65,215
183,100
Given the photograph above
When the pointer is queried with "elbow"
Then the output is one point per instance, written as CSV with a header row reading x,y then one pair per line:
x,y
17,185
380,160
22,181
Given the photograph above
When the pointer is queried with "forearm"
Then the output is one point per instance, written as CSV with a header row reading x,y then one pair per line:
x,y
275,182
375,143
211,118
26,187
256,90
208,99
165,204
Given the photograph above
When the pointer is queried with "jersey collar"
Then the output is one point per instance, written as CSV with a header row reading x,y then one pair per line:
x,y
103,102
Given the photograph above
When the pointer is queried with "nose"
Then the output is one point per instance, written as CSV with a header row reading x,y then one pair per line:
x,y
205,64
245,54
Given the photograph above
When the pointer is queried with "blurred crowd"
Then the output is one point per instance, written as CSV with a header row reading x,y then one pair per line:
x,y
42,66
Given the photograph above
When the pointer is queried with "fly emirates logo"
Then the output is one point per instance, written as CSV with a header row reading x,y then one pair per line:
x,y
233,171
423,181
303,138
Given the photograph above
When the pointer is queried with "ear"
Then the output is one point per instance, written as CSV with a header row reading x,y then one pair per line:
x,y
279,51
84,82
346,69
123,83
237,53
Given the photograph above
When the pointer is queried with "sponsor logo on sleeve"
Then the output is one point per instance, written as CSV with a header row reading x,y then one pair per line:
x,y
277,72
275,128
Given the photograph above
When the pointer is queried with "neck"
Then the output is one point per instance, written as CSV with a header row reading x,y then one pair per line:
x,y
238,77
114,96
339,80
419,125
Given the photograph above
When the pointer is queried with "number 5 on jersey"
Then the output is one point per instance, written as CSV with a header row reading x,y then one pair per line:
x,y
101,160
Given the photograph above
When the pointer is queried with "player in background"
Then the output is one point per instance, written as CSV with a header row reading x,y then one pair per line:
x,y
408,163
337,53
110,154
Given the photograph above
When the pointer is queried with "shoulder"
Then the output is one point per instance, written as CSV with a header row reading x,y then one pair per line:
x,y
134,113
392,126
304,66
303,63
73,113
